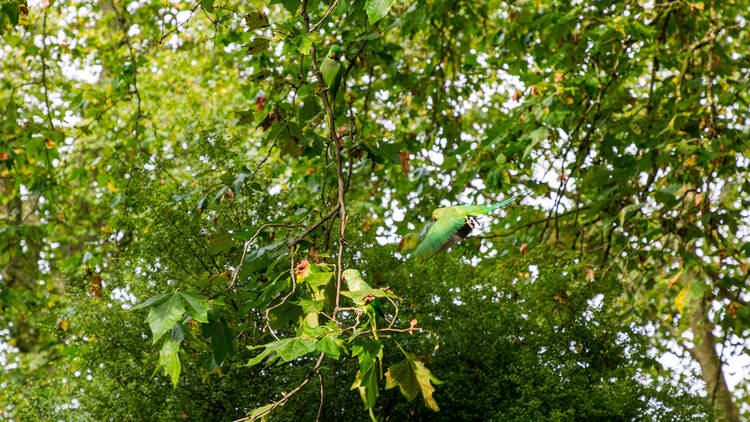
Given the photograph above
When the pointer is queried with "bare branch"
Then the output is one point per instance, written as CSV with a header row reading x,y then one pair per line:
x,y
333,5
286,396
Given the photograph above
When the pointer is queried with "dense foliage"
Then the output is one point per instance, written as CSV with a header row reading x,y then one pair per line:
x,y
181,194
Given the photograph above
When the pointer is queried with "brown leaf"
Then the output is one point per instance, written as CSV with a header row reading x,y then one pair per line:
x,y
228,195
401,244
3,156
558,77
590,274
341,131
534,91
562,298
524,248
698,199
517,95
260,101
404,157
412,326
270,118
302,270
731,309
95,286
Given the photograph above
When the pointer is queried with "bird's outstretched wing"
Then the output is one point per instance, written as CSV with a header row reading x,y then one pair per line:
x,y
439,234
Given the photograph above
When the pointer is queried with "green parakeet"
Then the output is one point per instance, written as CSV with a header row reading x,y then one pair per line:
x,y
332,72
451,225
355,282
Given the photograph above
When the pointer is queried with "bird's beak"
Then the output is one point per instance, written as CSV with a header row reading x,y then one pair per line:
x,y
433,218
334,55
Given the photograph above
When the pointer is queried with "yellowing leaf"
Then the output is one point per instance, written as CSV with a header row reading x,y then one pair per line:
x,y
412,377
111,186
680,300
169,360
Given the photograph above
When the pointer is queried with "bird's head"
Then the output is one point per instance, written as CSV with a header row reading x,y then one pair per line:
x,y
334,53
437,213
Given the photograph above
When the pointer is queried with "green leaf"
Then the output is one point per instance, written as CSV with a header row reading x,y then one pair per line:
x,y
305,42
377,9
221,338
257,45
170,361
411,376
178,333
260,412
331,345
208,5
628,209
309,306
161,318
287,349
358,296
11,9
316,280
366,380
536,136
151,301
245,117
196,306
256,19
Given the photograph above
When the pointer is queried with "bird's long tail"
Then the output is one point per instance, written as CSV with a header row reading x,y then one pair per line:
x,y
502,204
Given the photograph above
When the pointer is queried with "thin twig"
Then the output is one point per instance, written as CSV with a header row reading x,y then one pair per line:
x,y
533,223
333,5
313,227
289,394
249,242
320,407
339,172
177,27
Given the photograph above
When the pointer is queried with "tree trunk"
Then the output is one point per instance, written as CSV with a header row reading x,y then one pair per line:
x,y
704,352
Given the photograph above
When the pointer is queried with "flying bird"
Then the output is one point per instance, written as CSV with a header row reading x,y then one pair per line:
x,y
452,225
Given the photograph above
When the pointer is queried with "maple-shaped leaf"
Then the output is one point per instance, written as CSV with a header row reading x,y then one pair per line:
x,y
412,377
